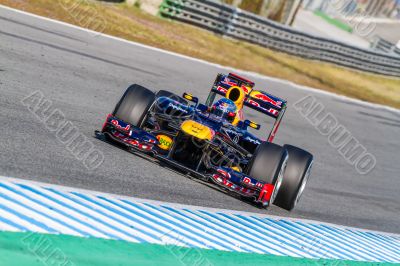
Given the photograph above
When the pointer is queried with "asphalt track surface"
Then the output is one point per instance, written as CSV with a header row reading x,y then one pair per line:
x,y
84,75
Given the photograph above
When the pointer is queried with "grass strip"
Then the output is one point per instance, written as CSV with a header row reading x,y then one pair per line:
x,y
335,22
31,249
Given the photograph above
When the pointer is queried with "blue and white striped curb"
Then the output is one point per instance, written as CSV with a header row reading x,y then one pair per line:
x,y
38,207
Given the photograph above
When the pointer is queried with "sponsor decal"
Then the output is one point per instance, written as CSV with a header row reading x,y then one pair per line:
x,y
176,107
221,89
255,141
224,173
261,96
270,110
117,124
197,127
235,136
228,82
247,180
252,183
197,130
254,103
165,142
226,183
133,142
246,89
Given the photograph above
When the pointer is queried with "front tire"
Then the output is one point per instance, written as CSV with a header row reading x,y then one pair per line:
x,y
268,165
295,177
132,108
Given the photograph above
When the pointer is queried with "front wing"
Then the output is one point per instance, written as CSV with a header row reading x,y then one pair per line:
x,y
223,178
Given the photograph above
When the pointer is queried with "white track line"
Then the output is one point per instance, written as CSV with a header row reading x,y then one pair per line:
x,y
183,206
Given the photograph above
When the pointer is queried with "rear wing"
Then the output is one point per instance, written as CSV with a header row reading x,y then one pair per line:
x,y
255,99
258,100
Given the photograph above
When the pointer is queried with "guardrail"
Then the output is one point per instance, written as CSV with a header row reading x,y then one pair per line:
x,y
236,23
385,46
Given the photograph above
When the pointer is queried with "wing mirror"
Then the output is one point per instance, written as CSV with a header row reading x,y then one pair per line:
x,y
247,123
191,98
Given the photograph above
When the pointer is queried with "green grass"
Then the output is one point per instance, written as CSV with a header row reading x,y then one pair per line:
x,y
32,249
132,24
335,22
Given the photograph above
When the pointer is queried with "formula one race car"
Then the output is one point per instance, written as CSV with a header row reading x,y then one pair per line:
x,y
212,142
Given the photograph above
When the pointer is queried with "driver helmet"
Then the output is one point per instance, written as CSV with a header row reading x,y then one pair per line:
x,y
225,109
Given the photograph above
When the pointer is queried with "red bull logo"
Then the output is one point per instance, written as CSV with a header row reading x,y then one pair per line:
x,y
224,173
270,110
227,81
246,89
223,90
261,96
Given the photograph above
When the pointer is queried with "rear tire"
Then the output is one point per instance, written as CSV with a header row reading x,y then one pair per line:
x,y
132,108
268,165
295,177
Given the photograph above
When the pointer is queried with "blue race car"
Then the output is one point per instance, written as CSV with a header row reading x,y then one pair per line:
x,y
212,142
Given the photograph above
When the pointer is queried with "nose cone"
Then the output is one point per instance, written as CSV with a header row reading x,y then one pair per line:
x,y
197,130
